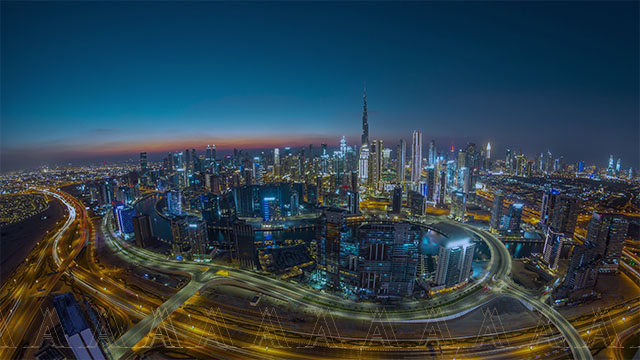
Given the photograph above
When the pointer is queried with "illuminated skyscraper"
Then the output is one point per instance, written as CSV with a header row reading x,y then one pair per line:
x,y
553,247
610,167
607,232
416,157
363,164
365,121
401,160
560,212
143,164
496,210
455,259
276,162
512,221
432,153
396,201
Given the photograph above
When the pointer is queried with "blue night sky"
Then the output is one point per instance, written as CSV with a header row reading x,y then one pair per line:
x,y
85,80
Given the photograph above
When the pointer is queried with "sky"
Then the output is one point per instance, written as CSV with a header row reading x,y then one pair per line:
x,y
97,81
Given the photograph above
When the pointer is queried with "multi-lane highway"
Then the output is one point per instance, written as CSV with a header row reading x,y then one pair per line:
x,y
143,310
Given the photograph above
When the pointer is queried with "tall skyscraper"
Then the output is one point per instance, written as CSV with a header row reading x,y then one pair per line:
x,y
396,201
375,163
512,221
454,263
142,230
607,232
365,120
432,153
416,157
496,210
560,212
143,164
553,247
244,243
401,160
363,164
276,162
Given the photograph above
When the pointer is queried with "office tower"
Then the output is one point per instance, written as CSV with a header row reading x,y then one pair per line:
x,y
455,261
190,236
464,180
431,183
508,162
496,210
143,164
560,212
124,215
513,219
208,153
245,244
401,160
365,121
432,153
311,153
187,159
416,203
458,205
142,230
583,268
386,159
353,202
441,188
488,152
416,157
106,192
270,207
580,167
332,231
607,232
76,329
375,163
396,201
549,163
553,247
462,159
389,259
610,167
276,162
213,152
174,202
618,165
363,164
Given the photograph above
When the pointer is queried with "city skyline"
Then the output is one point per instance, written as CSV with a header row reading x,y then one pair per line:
x,y
210,81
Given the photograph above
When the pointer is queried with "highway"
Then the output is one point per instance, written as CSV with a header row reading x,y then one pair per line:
x,y
186,314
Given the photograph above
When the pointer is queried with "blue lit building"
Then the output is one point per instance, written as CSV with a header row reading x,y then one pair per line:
x,y
124,215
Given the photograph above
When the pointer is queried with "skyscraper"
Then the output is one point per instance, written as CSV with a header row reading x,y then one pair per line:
x,y
496,210
143,163
276,162
416,157
396,201
142,230
454,263
607,232
244,243
432,153
401,160
365,120
512,221
560,212
553,247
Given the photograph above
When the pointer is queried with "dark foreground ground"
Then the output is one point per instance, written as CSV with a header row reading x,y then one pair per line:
x,y
18,239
